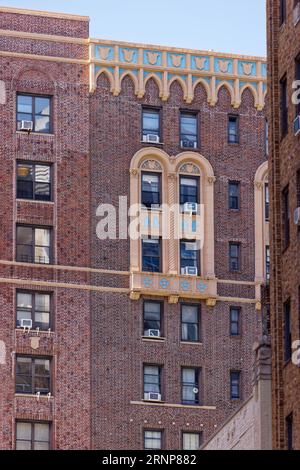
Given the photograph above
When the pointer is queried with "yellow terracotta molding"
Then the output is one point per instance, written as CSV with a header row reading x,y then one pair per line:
x,y
47,14
64,268
178,50
238,300
64,285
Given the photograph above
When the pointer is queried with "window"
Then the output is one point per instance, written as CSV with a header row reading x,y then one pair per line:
x,y
290,432
152,440
297,77
267,137
33,244
191,441
286,216
151,190
234,196
234,257
288,331
267,203
33,181
235,316
190,323
35,307
32,436
235,385
151,249
282,17
233,129
189,256
151,123
190,386
284,106
268,263
188,130
152,379
32,375
36,109
189,190
298,188
152,318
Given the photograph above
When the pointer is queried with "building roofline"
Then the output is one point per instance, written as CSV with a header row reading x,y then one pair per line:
x,y
64,16
176,49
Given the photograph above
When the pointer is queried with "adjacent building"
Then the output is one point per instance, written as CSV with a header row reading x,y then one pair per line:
x,y
284,70
126,343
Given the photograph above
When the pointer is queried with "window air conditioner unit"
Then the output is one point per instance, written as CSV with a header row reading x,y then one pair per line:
x,y
187,144
26,126
152,333
297,123
297,216
190,208
296,14
190,271
151,138
26,323
152,396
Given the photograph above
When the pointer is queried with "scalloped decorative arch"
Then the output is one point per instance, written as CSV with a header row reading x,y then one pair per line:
x,y
158,82
133,78
181,82
198,160
149,153
229,89
205,85
253,91
109,75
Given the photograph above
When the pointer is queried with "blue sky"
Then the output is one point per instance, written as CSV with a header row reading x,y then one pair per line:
x,y
234,26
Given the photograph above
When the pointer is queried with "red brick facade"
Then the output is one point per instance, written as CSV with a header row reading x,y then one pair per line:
x,y
96,344
283,48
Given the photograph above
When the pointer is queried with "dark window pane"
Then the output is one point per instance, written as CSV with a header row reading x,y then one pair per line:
x,y
152,316
151,255
150,189
235,385
189,190
151,122
24,235
25,189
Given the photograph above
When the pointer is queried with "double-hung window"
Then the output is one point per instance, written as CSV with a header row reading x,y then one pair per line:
x,y
190,323
34,108
33,244
189,257
151,125
33,181
32,375
151,189
188,130
190,386
33,435
151,253
34,306
152,318
152,381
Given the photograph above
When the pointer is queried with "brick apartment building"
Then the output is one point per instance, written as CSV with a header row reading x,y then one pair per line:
x,y
284,68
133,343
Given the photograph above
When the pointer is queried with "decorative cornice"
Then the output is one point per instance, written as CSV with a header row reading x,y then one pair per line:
x,y
188,67
49,14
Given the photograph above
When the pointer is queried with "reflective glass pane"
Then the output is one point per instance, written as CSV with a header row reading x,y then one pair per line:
x,y
25,171
24,300
42,106
42,124
189,314
24,104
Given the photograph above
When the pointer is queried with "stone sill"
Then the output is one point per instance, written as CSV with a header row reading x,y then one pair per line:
x,y
35,201
173,405
153,339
